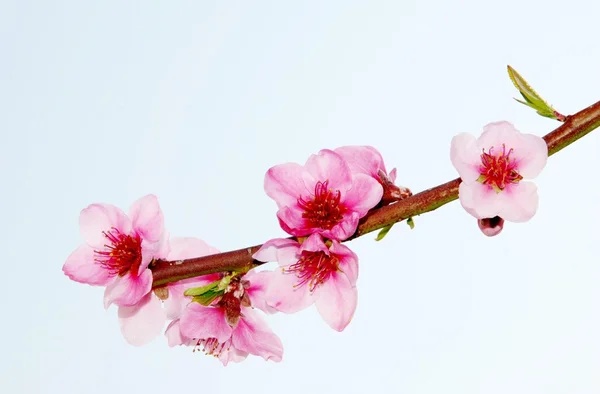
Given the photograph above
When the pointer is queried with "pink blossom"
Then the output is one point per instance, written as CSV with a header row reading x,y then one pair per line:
x,y
492,169
312,272
367,160
118,249
229,328
116,254
145,320
323,196
491,226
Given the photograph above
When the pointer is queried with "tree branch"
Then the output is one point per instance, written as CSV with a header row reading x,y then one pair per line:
x,y
573,128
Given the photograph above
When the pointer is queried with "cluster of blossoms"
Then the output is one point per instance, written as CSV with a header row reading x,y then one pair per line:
x,y
319,205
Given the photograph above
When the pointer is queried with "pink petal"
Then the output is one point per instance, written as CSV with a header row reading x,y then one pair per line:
x,y
314,243
147,218
520,202
142,322
259,284
282,250
232,355
344,229
174,336
498,133
480,200
284,184
336,301
201,322
188,247
154,250
128,290
392,175
348,261
292,222
532,155
97,218
362,159
465,157
81,267
254,336
284,296
177,301
365,193
329,166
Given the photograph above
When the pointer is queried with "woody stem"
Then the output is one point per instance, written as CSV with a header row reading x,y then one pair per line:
x,y
574,127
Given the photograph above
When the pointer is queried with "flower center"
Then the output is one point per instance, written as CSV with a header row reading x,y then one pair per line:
x,y
498,170
212,347
324,210
122,253
314,268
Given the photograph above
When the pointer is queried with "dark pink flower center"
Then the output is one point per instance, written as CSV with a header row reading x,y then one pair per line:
x,y
498,170
212,347
314,268
324,210
122,253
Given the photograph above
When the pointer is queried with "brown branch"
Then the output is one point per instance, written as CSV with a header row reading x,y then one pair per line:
x,y
573,128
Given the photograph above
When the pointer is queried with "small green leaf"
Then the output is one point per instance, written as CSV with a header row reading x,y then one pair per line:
x,y
383,232
532,98
207,298
198,291
411,223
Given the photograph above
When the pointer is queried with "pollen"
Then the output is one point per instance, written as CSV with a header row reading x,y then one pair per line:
x,y
122,253
324,210
498,170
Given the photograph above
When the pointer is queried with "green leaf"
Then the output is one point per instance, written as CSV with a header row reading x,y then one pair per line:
x,y
207,298
383,232
198,291
224,282
411,223
532,98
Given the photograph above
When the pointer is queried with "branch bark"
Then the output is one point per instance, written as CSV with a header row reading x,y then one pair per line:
x,y
574,127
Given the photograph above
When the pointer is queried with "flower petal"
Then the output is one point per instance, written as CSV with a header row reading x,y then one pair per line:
x,y
292,222
257,291
348,261
201,322
362,159
337,300
128,290
366,192
147,218
497,134
283,295
480,200
177,301
520,202
313,243
232,355
188,247
344,229
329,166
97,218
81,267
253,335
142,322
532,155
465,157
284,184
282,250
174,336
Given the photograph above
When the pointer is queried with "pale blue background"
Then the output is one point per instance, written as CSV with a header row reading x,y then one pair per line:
x,y
193,101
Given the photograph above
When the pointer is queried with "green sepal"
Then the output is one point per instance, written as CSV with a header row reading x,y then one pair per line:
x,y
532,98
207,298
198,291
383,232
411,223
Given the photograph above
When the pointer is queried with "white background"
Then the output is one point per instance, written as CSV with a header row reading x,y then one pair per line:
x,y
193,101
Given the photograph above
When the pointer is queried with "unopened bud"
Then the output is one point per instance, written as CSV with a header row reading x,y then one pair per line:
x,y
491,226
